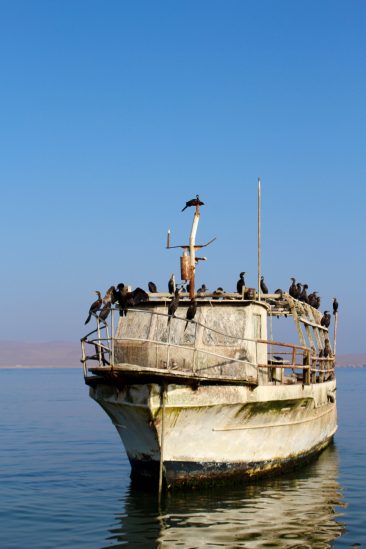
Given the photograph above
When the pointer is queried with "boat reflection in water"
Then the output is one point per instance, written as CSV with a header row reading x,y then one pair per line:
x,y
301,510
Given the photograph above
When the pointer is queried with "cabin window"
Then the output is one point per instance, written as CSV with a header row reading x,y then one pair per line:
x,y
257,323
222,321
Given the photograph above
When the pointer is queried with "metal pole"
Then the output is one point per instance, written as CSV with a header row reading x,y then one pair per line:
x,y
192,252
112,336
259,239
163,392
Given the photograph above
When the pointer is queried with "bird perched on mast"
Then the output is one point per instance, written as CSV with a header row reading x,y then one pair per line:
x,y
94,307
173,305
194,202
264,288
335,306
241,283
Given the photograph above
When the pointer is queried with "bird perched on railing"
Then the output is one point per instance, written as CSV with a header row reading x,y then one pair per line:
x,y
106,309
191,312
335,306
94,307
110,295
152,287
171,284
263,285
304,295
219,292
194,202
293,289
312,299
202,290
241,283
325,321
173,305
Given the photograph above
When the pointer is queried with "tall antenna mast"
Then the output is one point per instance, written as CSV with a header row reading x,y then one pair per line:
x,y
259,239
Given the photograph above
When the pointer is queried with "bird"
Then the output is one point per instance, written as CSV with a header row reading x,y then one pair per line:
x,y
312,299
293,289
171,284
194,202
298,286
127,300
219,292
173,305
103,315
263,286
191,312
304,296
279,292
335,306
241,283
325,321
152,287
110,295
94,307
202,290
327,349
316,301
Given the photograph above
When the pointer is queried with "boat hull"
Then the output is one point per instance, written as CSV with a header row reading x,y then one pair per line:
x,y
216,433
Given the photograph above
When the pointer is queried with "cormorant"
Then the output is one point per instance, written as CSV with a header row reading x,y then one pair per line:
x,y
171,284
335,306
293,289
191,312
194,202
325,321
241,283
312,299
219,292
327,349
264,288
110,295
152,288
103,315
128,299
173,305
202,290
304,295
94,307
279,292
298,286
316,301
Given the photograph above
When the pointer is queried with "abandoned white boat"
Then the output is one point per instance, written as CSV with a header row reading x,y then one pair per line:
x,y
215,398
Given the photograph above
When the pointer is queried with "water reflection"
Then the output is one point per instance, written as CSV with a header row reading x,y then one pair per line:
x,y
299,510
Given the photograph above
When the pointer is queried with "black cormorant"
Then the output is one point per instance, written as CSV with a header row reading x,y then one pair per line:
x,y
264,288
325,321
327,349
312,299
304,295
219,292
171,284
191,312
194,202
241,283
94,307
293,289
152,288
103,315
202,290
335,306
279,292
173,305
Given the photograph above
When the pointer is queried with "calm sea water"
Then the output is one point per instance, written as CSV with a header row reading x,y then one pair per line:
x,y
64,481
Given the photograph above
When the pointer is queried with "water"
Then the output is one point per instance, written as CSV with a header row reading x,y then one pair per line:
x,y
64,481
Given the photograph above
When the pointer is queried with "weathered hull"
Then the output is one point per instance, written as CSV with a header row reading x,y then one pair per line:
x,y
214,433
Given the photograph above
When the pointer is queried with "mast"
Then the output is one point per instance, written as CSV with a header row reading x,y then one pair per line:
x,y
259,239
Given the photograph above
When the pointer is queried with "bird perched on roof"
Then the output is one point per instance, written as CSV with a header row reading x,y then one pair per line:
x,y
152,287
304,295
293,289
127,300
173,305
264,288
106,309
94,307
219,292
194,202
241,283
335,306
325,321
191,312
171,284
202,290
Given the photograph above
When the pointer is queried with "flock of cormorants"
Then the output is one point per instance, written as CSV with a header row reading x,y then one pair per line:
x,y
127,299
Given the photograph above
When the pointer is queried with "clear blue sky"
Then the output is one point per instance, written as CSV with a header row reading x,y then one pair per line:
x,y
113,114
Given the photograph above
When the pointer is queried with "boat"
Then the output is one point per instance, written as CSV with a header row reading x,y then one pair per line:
x,y
214,398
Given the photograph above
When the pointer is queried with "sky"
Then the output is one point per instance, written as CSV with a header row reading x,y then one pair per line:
x,y
113,114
